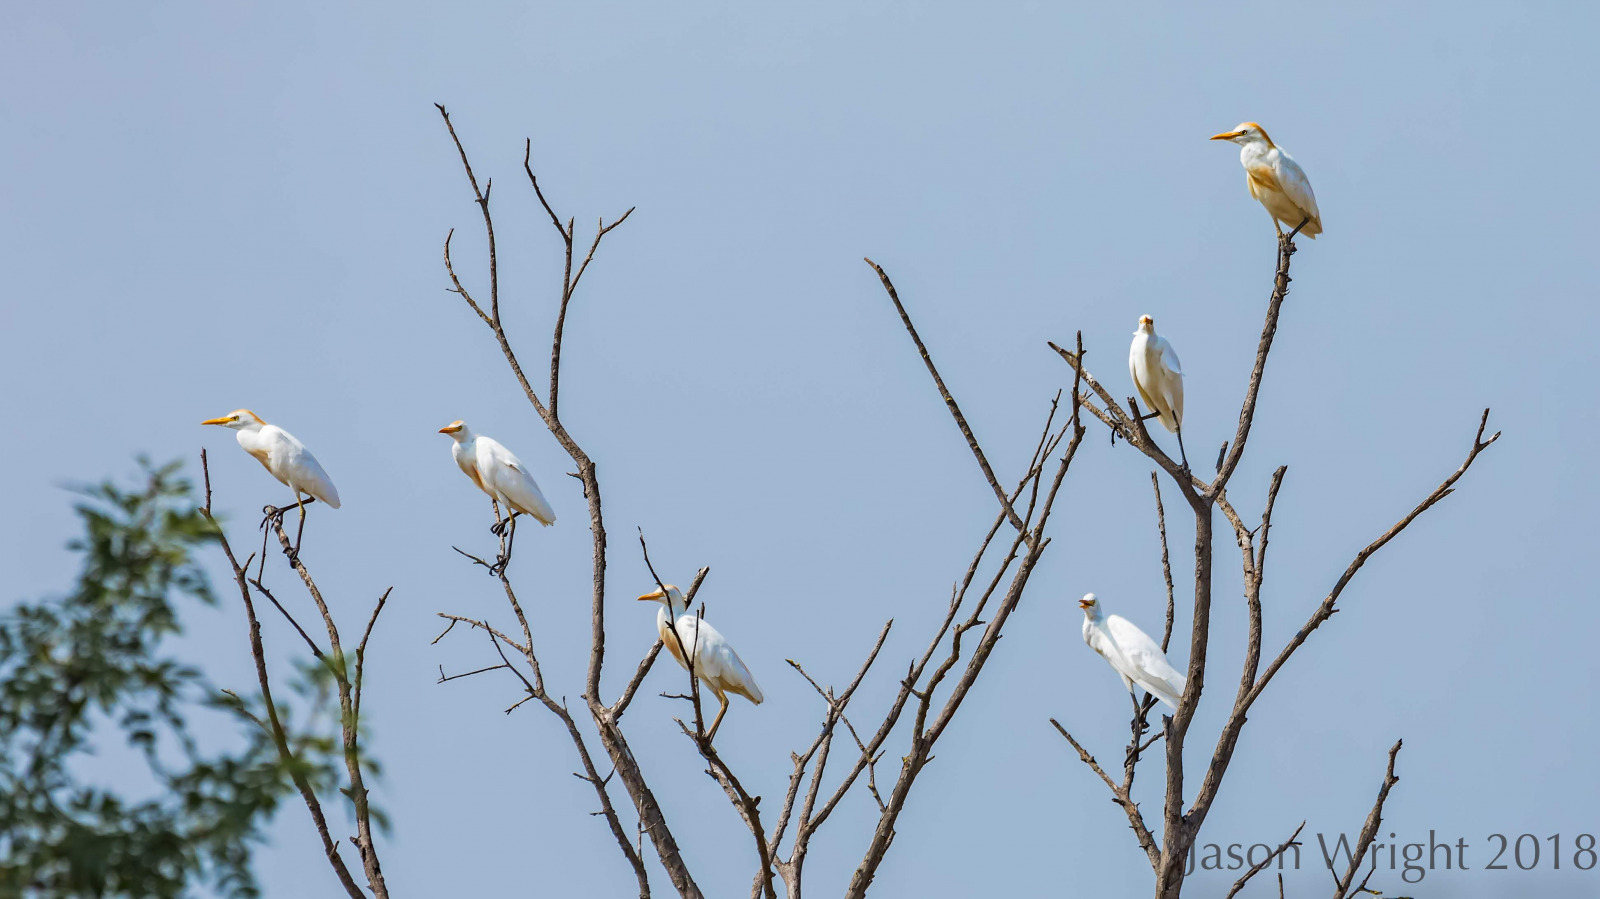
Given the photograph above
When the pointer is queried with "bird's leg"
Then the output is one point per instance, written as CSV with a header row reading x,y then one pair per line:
x,y
499,526
1181,453
1290,237
1276,224
505,558
1149,415
711,735
294,554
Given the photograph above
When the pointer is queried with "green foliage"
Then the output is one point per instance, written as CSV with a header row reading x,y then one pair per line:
x,y
86,666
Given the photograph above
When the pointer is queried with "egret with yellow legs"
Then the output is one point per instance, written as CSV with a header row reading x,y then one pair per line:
x,y
1275,180
498,472
286,459
715,663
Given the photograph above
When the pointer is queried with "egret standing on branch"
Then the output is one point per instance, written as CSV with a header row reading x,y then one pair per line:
x,y
1158,377
498,472
1276,180
1136,658
285,458
715,663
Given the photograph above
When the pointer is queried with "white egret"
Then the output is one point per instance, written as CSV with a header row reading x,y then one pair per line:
x,y
285,458
1276,180
715,663
1137,659
498,472
1158,376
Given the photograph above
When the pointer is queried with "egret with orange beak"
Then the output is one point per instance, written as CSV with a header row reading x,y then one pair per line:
x,y
498,472
1275,180
1136,658
285,458
715,663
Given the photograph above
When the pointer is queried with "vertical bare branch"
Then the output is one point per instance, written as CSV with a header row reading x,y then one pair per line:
x,y
1247,412
350,723
279,736
1166,563
1369,830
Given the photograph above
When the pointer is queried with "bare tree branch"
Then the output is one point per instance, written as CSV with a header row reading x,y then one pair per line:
x,y
1369,830
652,819
1121,797
950,401
1166,563
1261,865
275,726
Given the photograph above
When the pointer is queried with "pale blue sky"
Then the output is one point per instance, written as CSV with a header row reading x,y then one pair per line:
x,y
214,205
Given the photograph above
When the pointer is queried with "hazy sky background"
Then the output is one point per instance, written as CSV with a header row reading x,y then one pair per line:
x,y
210,205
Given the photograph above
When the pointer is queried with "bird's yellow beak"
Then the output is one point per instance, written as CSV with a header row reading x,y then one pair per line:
x,y
218,421
449,429
1084,604
652,597
1226,135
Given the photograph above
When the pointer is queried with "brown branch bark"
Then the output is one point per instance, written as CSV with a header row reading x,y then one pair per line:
x,y
330,847
1030,530
1369,830
349,705
949,400
1262,865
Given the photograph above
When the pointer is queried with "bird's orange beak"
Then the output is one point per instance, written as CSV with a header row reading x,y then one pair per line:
x,y
1226,135
449,429
1084,604
652,597
218,421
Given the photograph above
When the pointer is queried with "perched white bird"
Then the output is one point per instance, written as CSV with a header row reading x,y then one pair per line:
x,y
1275,179
498,472
1158,377
715,663
1137,658
284,457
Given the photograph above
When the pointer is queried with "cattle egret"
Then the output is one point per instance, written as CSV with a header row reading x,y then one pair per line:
x,y
715,663
1158,377
1137,659
498,472
286,458
1276,180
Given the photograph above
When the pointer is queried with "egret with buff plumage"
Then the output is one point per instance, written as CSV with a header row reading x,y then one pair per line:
x,y
715,663
1275,180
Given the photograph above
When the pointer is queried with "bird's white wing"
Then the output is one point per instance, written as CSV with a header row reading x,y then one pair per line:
x,y
1169,357
1103,645
1150,668
715,660
736,676
293,463
1295,185
1173,385
506,474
